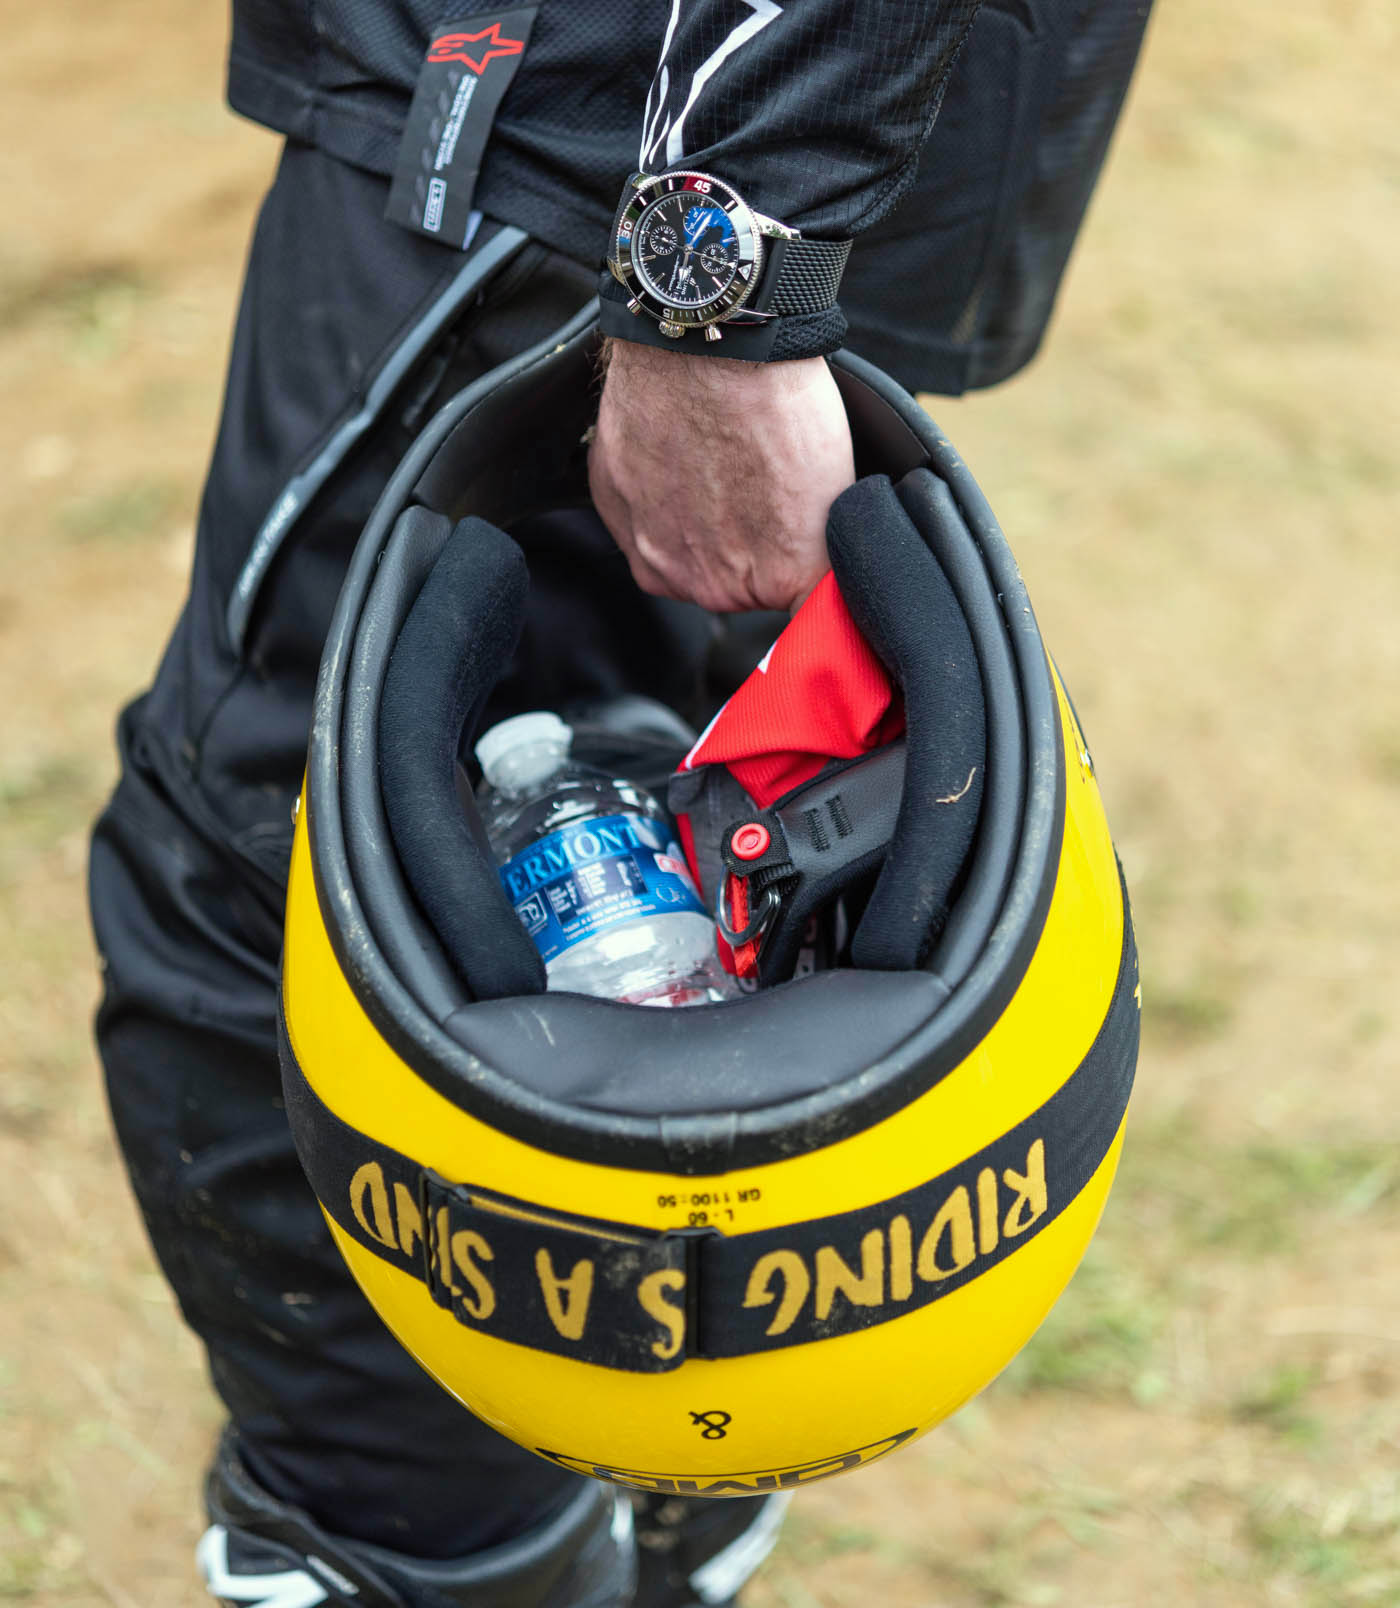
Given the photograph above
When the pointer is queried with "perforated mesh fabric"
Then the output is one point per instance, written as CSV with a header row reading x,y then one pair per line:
x,y
815,115
816,118
1012,301
954,289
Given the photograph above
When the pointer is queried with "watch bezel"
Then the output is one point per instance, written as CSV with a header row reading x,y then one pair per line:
x,y
650,188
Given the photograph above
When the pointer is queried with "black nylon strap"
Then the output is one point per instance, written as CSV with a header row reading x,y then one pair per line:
x,y
629,1298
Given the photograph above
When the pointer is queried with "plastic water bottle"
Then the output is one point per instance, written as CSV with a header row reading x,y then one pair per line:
x,y
591,864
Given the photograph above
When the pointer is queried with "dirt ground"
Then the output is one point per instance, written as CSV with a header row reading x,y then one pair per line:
x,y
1200,480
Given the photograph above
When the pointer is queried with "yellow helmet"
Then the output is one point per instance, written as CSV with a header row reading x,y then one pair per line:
x,y
731,1249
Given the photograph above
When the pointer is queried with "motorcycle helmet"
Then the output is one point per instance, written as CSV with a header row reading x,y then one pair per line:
x,y
727,1250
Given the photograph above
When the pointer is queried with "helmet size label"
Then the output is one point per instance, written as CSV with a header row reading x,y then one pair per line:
x,y
592,875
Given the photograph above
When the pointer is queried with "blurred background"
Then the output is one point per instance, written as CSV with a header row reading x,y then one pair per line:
x,y
1199,477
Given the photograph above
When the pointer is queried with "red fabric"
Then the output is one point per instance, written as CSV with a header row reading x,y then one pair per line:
x,y
692,859
743,961
819,694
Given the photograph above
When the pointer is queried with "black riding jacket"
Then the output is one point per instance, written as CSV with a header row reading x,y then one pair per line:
x,y
814,110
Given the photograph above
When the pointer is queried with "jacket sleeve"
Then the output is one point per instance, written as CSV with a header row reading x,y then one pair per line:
x,y
814,110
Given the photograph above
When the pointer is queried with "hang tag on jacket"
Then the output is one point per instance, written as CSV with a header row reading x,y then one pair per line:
x,y
466,71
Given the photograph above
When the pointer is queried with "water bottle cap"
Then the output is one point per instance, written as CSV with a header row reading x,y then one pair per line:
x,y
541,727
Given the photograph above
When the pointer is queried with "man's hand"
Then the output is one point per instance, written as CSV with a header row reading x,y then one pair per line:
x,y
715,477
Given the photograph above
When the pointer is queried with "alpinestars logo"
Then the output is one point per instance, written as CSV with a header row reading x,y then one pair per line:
x,y
288,1588
453,47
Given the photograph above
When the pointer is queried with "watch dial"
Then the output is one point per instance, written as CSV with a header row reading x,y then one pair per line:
x,y
685,249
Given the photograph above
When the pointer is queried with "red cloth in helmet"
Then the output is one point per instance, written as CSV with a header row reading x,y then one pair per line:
x,y
818,694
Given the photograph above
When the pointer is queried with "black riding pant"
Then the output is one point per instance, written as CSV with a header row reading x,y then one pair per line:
x,y
189,859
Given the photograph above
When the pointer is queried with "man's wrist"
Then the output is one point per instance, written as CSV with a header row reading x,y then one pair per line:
x,y
669,365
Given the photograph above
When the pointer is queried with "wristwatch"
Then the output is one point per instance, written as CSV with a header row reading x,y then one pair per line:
x,y
693,255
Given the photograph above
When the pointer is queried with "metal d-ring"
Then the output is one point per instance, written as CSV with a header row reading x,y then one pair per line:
x,y
770,903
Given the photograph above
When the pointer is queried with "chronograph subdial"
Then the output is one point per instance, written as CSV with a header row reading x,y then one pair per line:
x,y
718,260
660,239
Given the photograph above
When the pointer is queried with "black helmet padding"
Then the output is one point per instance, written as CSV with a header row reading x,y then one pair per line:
x,y
454,645
900,598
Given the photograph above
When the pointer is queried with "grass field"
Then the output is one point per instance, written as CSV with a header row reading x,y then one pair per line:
x,y
1200,480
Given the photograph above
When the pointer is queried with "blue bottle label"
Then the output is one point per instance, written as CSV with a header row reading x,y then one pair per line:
x,y
575,882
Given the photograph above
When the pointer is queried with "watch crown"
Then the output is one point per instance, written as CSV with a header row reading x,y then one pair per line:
x,y
675,331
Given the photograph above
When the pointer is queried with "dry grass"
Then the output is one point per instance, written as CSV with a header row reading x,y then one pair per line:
x,y
1200,480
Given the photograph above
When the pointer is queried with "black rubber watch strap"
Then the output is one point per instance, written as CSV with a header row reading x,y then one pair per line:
x,y
804,276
